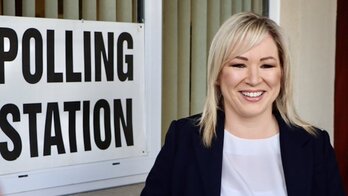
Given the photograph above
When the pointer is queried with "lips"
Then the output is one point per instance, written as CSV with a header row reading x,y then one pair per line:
x,y
252,94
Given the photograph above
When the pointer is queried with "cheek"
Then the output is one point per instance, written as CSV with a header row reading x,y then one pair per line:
x,y
274,80
230,78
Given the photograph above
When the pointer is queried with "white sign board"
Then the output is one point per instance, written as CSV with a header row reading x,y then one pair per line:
x,y
72,93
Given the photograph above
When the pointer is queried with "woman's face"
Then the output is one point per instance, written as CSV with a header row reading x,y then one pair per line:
x,y
250,82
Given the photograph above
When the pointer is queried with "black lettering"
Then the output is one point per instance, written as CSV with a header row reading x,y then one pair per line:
x,y
87,55
72,107
53,112
27,36
51,75
12,51
127,127
100,52
71,76
32,110
102,105
86,126
11,132
122,76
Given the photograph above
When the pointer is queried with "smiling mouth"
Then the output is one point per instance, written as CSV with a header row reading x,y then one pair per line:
x,y
252,94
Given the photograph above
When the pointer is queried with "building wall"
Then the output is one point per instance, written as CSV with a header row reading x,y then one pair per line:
x,y
311,27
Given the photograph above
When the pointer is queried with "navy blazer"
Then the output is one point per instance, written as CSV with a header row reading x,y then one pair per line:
x,y
185,167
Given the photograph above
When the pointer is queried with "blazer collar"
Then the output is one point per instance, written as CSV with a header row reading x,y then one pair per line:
x,y
210,159
295,155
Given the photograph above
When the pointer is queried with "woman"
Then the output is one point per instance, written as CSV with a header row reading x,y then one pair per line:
x,y
248,140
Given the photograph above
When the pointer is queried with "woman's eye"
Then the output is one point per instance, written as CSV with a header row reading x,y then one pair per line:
x,y
267,66
238,65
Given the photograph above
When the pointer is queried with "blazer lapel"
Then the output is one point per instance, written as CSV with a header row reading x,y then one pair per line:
x,y
210,159
295,154
296,160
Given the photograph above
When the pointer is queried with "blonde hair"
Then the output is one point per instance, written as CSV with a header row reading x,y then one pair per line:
x,y
236,36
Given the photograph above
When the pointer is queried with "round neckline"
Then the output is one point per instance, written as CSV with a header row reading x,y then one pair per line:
x,y
246,139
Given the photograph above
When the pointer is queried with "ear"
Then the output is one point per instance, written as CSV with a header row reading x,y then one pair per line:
x,y
218,81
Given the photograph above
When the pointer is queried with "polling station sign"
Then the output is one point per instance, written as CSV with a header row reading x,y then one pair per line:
x,y
71,92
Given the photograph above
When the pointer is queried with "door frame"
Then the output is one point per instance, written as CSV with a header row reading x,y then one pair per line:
x,y
341,91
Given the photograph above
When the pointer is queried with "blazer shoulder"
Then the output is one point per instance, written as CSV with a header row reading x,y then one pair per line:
x,y
321,141
320,136
188,123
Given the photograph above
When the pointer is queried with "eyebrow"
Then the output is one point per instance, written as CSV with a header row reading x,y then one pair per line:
x,y
262,59
241,58
267,58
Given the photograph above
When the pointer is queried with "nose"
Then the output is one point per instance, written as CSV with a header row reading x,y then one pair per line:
x,y
253,76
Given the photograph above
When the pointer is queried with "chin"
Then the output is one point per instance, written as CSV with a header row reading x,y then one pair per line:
x,y
254,113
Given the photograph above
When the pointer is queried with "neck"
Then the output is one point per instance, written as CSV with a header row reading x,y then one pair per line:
x,y
251,127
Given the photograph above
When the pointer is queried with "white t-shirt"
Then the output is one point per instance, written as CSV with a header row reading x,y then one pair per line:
x,y
252,167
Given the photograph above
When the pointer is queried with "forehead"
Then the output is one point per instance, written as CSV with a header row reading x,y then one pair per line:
x,y
266,47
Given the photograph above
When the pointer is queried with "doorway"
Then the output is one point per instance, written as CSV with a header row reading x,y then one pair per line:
x,y
341,91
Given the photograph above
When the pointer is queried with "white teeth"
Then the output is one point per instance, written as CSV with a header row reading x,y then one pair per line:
x,y
252,94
